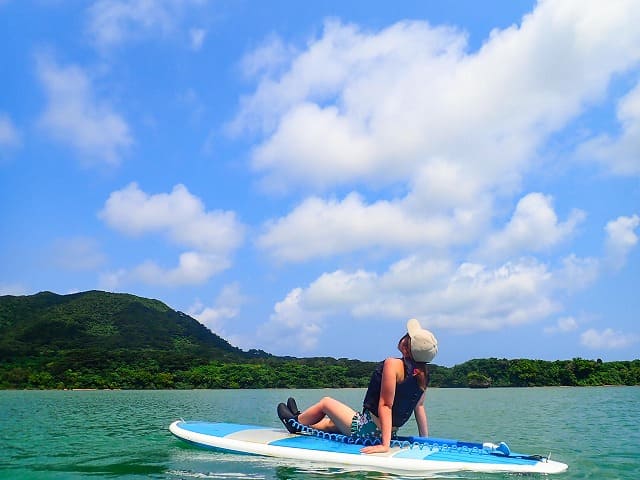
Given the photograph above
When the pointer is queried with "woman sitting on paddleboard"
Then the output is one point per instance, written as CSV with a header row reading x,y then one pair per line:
x,y
396,390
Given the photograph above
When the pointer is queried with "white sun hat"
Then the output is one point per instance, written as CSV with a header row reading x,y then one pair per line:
x,y
424,345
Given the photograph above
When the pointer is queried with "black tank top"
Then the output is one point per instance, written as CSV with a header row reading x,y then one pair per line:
x,y
408,393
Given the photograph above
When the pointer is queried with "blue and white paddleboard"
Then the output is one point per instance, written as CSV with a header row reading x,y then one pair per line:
x,y
411,455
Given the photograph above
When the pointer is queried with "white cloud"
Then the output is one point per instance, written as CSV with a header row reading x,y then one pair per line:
x,y
534,227
607,339
445,133
621,238
226,307
193,268
113,22
315,144
182,218
577,273
619,154
563,325
268,58
77,253
319,228
74,115
360,106
179,214
470,297
466,297
9,135
291,329
442,187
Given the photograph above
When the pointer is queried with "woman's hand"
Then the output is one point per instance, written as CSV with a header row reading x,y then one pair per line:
x,y
375,449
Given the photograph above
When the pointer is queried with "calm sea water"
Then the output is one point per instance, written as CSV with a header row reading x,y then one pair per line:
x,y
123,434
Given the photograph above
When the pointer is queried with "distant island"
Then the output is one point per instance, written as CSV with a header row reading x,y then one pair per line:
x,y
112,340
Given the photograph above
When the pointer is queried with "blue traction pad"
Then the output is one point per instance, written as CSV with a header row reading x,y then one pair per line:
x,y
325,445
315,443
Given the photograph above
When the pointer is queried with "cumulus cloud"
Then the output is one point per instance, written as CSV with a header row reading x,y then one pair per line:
x,y
621,238
268,58
179,214
409,110
607,339
193,268
113,22
76,117
469,297
225,308
377,106
563,325
619,154
534,227
321,228
9,135
291,328
181,217
462,297
576,273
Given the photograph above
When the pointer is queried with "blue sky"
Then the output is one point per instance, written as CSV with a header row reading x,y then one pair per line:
x,y
303,177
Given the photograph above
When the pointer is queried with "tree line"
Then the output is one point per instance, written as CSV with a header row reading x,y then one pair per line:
x,y
146,372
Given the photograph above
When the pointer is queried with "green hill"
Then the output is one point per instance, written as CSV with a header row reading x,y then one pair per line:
x,y
112,340
47,324
100,339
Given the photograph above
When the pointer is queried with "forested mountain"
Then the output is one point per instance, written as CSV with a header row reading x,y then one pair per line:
x,y
113,340
107,340
46,324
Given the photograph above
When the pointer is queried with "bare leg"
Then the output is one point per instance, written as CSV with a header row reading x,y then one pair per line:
x,y
326,425
339,416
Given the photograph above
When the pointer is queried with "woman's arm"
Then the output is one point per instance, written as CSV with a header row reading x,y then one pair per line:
x,y
421,417
392,372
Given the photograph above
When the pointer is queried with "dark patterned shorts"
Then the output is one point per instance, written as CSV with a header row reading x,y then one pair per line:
x,y
362,425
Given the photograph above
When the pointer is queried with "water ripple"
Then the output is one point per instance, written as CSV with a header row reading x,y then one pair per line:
x,y
123,434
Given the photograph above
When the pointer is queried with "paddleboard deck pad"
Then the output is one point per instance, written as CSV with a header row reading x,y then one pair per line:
x,y
408,455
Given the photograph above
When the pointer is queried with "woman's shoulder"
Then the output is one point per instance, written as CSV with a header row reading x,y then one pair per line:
x,y
396,364
393,361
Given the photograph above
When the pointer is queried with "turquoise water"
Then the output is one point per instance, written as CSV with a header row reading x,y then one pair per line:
x,y
123,434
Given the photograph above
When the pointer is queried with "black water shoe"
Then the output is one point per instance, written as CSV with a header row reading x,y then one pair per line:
x,y
287,418
291,405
